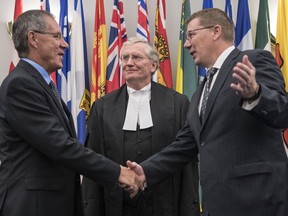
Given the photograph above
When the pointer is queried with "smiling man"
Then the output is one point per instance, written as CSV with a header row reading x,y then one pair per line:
x,y
134,122
40,157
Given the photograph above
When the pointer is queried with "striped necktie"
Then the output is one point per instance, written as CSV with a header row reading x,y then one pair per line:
x,y
56,94
210,73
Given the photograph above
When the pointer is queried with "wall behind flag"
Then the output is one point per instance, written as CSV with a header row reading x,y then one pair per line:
x,y
173,13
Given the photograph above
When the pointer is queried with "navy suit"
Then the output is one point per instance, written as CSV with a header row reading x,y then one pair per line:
x,y
243,164
40,155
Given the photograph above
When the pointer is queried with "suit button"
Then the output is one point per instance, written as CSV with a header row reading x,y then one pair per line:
x,y
139,140
202,144
139,153
263,112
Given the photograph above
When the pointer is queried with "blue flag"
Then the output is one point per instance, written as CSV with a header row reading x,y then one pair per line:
x,y
228,9
80,95
202,71
63,76
243,34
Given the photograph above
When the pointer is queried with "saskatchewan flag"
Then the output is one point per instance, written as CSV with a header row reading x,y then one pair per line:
x,y
186,78
262,40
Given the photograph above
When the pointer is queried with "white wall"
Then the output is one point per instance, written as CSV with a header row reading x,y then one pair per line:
x,y
173,11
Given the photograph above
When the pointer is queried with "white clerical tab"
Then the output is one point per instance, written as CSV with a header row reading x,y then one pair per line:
x,y
138,109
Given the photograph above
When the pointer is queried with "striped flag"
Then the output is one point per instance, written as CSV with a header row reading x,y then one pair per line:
x,y
201,70
262,40
80,95
117,37
164,72
228,9
18,9
64,75
99,56
243,34
143,23
186,78
44,5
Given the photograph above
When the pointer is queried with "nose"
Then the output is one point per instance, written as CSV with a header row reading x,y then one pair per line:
x,y
130,60
187,44
64,44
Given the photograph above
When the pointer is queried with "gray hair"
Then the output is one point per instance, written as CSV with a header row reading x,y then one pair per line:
x,y
28,21
149,49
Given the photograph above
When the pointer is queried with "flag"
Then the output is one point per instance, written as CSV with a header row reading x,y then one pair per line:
x,y
207,4
262,40
99,56
44,5
64,75
243,34
201,70
117,37
80,95
18,9
186,69
164,72
143,23
228,9
281,49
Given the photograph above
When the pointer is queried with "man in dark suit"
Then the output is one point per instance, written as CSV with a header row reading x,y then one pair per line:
x,y
134,122
40,157
243,164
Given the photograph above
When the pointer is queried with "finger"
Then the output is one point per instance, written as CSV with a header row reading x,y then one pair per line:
x,y
247,62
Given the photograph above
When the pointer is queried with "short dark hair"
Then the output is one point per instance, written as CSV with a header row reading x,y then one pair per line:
x,y
215,16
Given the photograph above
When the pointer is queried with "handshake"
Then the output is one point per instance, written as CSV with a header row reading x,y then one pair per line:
x,y
132,178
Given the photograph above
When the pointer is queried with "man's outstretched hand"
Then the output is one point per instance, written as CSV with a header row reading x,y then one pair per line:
x,y
140,175
132,179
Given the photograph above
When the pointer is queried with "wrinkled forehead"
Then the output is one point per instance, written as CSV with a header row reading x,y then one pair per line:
x,y
135,48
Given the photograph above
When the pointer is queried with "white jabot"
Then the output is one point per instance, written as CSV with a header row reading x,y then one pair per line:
x,y
138,109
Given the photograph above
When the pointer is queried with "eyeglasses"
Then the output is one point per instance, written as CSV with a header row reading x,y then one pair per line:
x,y
135,58
191,33
56,35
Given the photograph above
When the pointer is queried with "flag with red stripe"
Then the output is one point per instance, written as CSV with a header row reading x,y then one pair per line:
x,y
164,72
99,56
117,37
143,23
18,9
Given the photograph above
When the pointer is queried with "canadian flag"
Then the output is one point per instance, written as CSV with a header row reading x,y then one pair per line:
x,y
17,11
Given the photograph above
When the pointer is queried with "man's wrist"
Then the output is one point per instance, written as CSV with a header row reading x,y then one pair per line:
x,y
255,96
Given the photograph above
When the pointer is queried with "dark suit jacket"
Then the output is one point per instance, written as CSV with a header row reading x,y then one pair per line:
x,y
40,156
243,165
177,195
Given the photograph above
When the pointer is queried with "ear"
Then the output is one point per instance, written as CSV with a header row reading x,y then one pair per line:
x,y
32,39
154,67
217,31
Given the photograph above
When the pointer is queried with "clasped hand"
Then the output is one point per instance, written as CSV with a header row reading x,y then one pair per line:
x,y
132,178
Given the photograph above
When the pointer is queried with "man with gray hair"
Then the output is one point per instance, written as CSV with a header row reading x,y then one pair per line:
x,y
134,122
40,157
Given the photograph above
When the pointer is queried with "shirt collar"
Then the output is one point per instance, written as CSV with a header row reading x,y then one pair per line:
x,y
39,68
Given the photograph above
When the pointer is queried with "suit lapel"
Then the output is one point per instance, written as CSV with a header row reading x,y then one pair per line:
x,y
34,73
224,72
